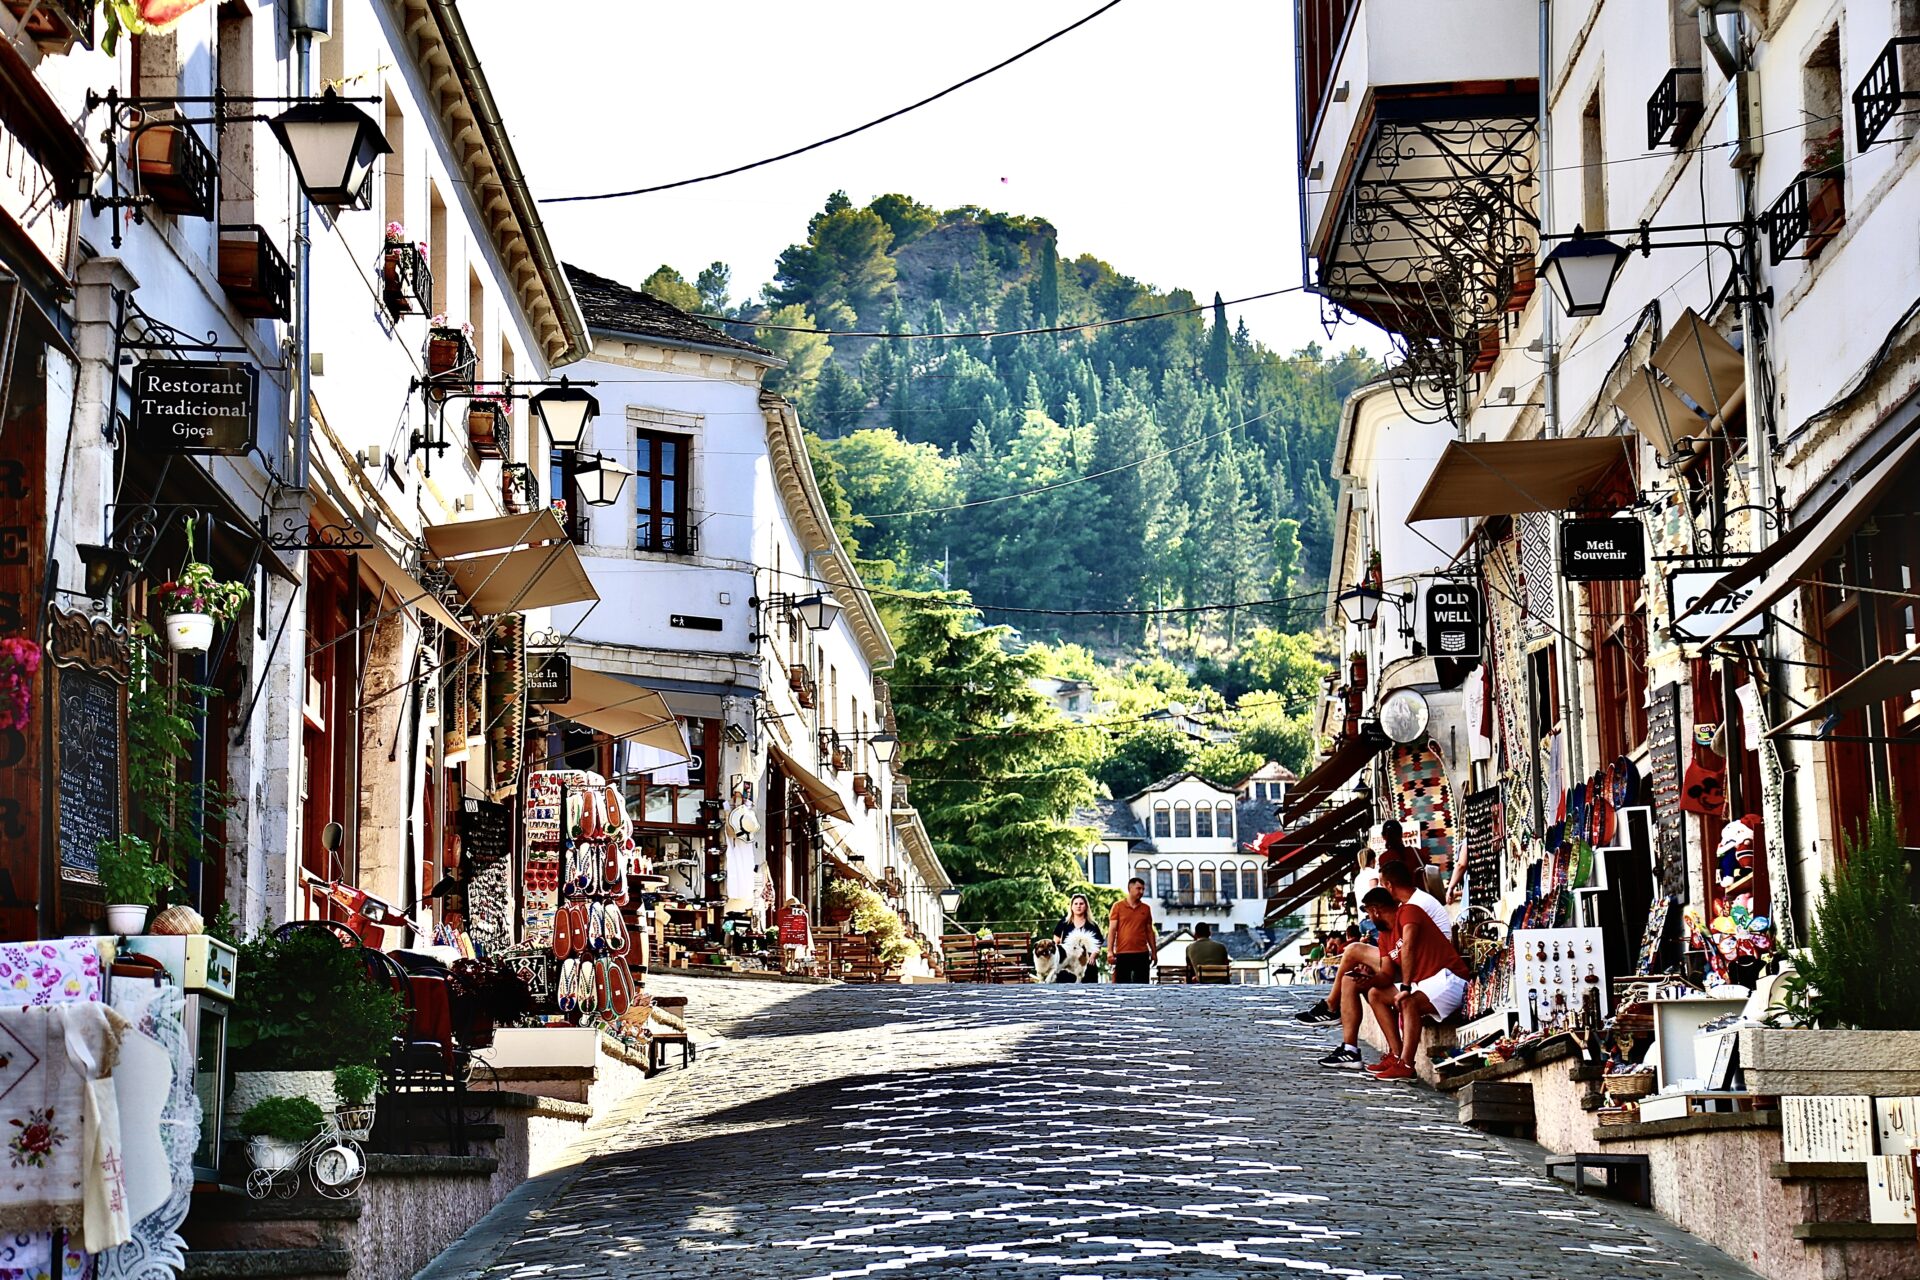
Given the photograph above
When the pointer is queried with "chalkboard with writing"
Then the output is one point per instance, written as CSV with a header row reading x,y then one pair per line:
x,y
89,789
1664,770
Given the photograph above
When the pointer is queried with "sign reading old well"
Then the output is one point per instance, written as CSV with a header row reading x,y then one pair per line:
x,y
1454,618
203,407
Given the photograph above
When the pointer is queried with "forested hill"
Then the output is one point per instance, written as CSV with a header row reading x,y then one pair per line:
x,y
1210,451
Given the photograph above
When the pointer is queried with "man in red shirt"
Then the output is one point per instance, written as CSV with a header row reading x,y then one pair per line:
x,y
1130,934
1433,982
1362,968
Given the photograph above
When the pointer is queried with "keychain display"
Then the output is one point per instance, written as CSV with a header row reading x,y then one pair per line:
x,y
1554,972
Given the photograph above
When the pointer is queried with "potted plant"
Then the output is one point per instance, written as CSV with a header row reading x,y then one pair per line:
x,y
1826,189
306,1007
196,600
277,1128
449,351
354,1087
130,880
19,663
1851,1016
405,284
487,418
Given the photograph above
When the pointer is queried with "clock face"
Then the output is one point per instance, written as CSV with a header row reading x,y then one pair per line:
x,y
336,1166
1403,715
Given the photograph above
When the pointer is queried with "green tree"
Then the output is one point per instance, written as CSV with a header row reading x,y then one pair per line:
x,y
712,284
883,474
1046,285
837,403
992,777
826,474
671,288
844,260
806,354
905,217
1219,344
1145,756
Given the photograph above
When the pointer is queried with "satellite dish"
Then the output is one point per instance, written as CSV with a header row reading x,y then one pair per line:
x,y
1403,716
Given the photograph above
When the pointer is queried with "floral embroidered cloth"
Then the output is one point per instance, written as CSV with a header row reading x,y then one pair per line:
x,y
59,1146
50,972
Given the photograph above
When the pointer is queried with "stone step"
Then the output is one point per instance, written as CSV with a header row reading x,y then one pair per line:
x,y
277,1264
1818,1171
223,1221
1829,1232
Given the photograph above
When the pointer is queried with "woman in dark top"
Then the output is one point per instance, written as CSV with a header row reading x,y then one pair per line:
x,y
1079,917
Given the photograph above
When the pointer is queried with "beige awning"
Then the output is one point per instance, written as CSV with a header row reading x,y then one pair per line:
x,y
1658,413
1507,477
1890,677
507,564
820,793
1810,544
1703,364
623,710
408,588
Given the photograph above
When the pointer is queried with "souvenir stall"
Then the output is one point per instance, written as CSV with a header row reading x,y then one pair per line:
x,y
576,903
100,1110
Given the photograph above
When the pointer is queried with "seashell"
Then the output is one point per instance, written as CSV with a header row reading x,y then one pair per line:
x,y
178,920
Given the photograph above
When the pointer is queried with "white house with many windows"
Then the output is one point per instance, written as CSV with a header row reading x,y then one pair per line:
x,y
1182,836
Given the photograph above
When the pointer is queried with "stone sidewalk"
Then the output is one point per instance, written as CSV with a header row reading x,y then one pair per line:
x,y
1076,1133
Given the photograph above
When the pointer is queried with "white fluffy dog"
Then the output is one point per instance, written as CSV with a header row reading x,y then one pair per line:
x,y
1079,952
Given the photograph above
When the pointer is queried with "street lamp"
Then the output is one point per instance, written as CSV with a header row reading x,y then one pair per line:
x,y
332,144
949,901
819,610
885,747
565,411
1581,272
107,568
1361,604
601,479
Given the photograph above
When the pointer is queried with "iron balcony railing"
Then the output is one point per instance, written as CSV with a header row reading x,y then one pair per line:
x,y
1890,89
1675,108
1806,216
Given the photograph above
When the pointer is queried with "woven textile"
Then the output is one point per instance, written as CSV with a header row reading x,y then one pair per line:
x,y
1426,799
1536,572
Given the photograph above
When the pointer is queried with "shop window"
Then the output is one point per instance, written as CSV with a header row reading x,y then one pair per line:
x,y
1183,821
660,491
1617,629
1203,822
1162,820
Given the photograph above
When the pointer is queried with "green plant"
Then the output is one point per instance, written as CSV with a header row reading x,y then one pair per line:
x,y
224,925
355,1085
1861,966
197,590
283,1119
162,725
306,1004
128,872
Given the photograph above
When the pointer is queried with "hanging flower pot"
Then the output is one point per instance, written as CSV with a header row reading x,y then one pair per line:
x,y
272,1154
196,600
449,355
189,632
19,662
406,285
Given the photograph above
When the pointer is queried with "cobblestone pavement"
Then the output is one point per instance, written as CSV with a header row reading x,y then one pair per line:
x,y
1073,1133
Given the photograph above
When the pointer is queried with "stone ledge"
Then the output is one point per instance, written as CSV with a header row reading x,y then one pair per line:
x,y
385,1165
513,1100
1558,1051
743,975
1816,1232
517,1074
236,1263
221,1207
1816,1170
1706,1122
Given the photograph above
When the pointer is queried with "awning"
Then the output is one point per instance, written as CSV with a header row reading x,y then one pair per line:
x,y
1888,678
1506,477
1798,555
820,793
1703,364
1316,882
1332,773
507,564
1297,848
1658,413
408,588
624,710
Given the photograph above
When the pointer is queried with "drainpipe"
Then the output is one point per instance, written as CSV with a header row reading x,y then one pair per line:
x,y
306,19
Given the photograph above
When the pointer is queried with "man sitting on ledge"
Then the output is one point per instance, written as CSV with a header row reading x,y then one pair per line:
x,y
1205,949
1433,977
1362,968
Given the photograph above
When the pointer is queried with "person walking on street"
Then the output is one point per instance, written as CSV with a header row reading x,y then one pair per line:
x,y
1078,920
1130,934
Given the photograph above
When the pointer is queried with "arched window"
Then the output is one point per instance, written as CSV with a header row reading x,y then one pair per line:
x,y
1207,890
1162,820
1163,881
1203,822
1101,872
1224,823
1183,881
1229,882
1183,821
1144,870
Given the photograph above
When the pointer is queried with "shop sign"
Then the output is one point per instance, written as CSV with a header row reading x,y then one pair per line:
x,y
549,678
1454,620
795,928
1602,550
188,406
1684,586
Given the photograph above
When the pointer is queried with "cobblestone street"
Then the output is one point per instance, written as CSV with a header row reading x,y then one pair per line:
x,y
1050,1132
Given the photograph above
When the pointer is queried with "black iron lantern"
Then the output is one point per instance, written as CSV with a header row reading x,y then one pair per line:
x,y
107,569
333,145
1581,272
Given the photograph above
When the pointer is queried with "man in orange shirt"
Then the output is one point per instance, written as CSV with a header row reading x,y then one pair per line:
x,y
1130,934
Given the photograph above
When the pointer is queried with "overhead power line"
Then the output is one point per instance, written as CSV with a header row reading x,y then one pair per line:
x,y
845,133
1084,327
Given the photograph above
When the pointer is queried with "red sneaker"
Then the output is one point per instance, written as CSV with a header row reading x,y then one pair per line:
x,y
1381,1065
1393,1069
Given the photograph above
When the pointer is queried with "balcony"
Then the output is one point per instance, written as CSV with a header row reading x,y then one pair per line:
x,y
1674,109
55,26
1807,216
1890,89
665,534
175,170
1204,903
254,275
1418,164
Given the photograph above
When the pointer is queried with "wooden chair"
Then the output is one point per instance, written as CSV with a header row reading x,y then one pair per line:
x,y
1212,974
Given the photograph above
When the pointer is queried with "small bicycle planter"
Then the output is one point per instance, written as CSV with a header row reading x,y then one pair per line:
x,y
336,1164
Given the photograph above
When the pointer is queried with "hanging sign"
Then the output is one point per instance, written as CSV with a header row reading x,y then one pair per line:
x,y
186,406
1454,620
1602,550
549,678
1684,586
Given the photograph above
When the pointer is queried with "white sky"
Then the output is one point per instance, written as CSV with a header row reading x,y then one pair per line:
x,y
1159,136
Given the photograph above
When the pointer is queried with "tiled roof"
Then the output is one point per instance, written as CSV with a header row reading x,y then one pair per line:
x,y
1256,819
1111,818
619,308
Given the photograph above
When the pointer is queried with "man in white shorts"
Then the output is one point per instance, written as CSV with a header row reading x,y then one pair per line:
x,y
1433,978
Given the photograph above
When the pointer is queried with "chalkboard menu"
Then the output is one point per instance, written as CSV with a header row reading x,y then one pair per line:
x,y
89,786
1665,772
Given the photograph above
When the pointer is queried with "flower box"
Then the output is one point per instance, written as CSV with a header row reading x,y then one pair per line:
x,y
175,170
488,428
256,278
1826,210
406,285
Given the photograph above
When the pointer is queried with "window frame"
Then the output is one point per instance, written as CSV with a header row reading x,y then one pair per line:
x,y
649,475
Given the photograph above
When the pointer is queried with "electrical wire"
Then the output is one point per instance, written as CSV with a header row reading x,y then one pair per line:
x,y
844,133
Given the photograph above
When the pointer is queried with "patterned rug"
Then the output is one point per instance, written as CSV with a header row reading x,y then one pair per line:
x,y
1426,801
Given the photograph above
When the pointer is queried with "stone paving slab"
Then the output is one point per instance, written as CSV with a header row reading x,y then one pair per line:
x,y
1069,1132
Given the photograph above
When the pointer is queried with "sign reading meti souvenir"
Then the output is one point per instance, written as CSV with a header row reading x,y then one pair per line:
x,y
1602,550
1684,586
199,407
1454,619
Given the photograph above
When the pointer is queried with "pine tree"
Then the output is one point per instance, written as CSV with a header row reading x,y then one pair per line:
x,y
1218,344
1046,285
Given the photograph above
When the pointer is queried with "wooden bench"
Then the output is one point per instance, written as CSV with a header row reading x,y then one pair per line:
x,y
1636,1170
657,1042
